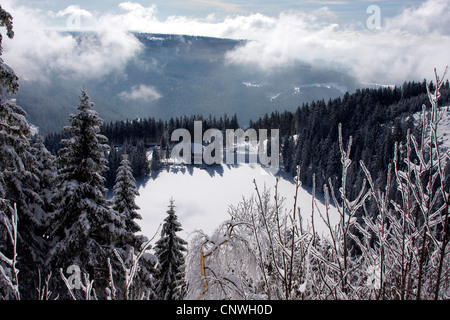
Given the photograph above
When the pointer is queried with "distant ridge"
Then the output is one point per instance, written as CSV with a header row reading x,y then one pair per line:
x,y
175,75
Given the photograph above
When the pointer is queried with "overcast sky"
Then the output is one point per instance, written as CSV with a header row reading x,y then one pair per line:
x,y
411,38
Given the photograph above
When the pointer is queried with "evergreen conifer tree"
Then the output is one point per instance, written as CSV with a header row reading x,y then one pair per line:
x,y
287,153
169,251
84,228
125,192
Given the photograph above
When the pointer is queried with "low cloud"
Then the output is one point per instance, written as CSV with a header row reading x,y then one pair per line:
x,y
141,92
37,50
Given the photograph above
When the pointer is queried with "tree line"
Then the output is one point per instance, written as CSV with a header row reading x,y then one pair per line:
x,y
136,137
149,131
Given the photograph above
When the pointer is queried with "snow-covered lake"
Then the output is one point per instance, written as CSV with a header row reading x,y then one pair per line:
x,y
203,196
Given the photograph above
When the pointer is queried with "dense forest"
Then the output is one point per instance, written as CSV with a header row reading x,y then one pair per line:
x,y
136,137
373,117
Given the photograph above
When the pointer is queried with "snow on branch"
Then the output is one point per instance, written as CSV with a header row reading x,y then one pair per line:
x,y
10,275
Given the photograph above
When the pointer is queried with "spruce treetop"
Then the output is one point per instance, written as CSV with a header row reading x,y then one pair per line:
x,y
83,154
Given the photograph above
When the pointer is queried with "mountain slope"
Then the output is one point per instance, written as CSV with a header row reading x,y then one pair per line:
x,y
177,75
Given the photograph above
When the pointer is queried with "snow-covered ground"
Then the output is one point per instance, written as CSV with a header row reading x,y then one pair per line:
x,y
203,196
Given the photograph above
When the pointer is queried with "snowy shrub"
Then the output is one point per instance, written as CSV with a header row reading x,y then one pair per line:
x,y
259,253
8,266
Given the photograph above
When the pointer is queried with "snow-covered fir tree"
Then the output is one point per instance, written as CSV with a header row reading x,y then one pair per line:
x,y
169,250
125,192
19,181
84,228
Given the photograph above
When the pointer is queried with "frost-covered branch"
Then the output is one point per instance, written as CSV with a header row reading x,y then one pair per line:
x,y
10,275
67,283
43,288
87,286
111,291
129,271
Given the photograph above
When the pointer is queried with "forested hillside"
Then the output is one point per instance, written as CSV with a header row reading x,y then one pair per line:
x,y
375,118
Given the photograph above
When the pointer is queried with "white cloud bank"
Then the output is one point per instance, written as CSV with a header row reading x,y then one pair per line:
x,y
35,50
406,47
